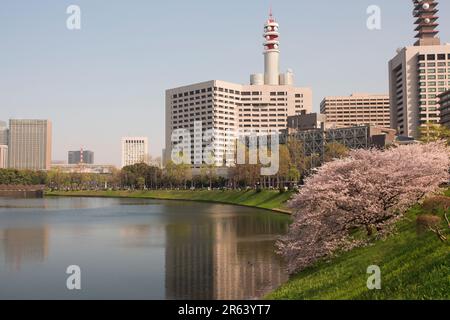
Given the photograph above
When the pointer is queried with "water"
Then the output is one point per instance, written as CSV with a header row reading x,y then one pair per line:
x,y
137,249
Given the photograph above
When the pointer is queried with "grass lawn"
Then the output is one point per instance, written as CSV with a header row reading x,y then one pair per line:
x,y
412,267
265,199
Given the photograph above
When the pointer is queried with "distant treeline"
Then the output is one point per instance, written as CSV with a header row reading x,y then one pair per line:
x,y
22,177
294,166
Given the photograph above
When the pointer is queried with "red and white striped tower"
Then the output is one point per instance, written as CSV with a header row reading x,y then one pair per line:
x,y
426,14
271,52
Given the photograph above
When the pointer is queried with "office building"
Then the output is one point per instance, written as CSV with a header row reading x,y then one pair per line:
x,y
134,150
30,144
3,134
419,73
357,109
3,156
444,108
81,156
228,110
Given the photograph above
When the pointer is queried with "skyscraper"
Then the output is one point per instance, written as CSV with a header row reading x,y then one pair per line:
x,y
3,156
134,150
3,145
419,73
3,134
229,109
81,157
30,144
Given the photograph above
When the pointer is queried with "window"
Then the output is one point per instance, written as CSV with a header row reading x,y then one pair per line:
x,y
431,57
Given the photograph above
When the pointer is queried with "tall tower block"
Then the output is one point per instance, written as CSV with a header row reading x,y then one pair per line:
x,y
419,74
271,52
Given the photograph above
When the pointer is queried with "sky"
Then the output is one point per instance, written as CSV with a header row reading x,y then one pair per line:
x,y
108,79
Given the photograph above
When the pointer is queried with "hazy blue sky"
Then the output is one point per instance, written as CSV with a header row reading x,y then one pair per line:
x,y
108,79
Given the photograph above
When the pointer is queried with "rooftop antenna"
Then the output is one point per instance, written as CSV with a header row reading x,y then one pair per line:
x,y
270,13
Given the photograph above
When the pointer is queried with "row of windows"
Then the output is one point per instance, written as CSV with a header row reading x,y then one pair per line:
x,y
244,93
355,104
432,90
263,115
263,120
191,93
434,64
433,77
192,104
430,103
432,57
256,126
433,83
442,70
265,110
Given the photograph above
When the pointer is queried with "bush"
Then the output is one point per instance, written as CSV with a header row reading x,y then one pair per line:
x,y
426,221
436,204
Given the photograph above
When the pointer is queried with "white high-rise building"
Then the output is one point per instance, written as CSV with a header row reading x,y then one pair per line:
x,y
228,109
134,150
3,156
419,74
3,145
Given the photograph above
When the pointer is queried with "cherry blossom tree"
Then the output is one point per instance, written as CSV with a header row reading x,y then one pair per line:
x,y
351,201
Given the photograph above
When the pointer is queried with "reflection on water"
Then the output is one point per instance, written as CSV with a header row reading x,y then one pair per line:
x,y
144,249
20,246
225,258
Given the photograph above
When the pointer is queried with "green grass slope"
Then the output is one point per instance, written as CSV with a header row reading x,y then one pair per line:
x,y
413,266
265,199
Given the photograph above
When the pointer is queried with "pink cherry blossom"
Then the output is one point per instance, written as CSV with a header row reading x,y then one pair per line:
x,y
368,191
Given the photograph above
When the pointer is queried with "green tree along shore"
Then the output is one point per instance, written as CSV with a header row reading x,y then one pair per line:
x,y
294,167
414,266
264,199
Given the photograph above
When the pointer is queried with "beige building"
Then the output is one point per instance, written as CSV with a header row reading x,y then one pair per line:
x,y
3,156
418,74
3,134
444,108
357,109
30,144
229,109
134,150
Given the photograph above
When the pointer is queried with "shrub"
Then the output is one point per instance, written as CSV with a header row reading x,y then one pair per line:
x,y
436,204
